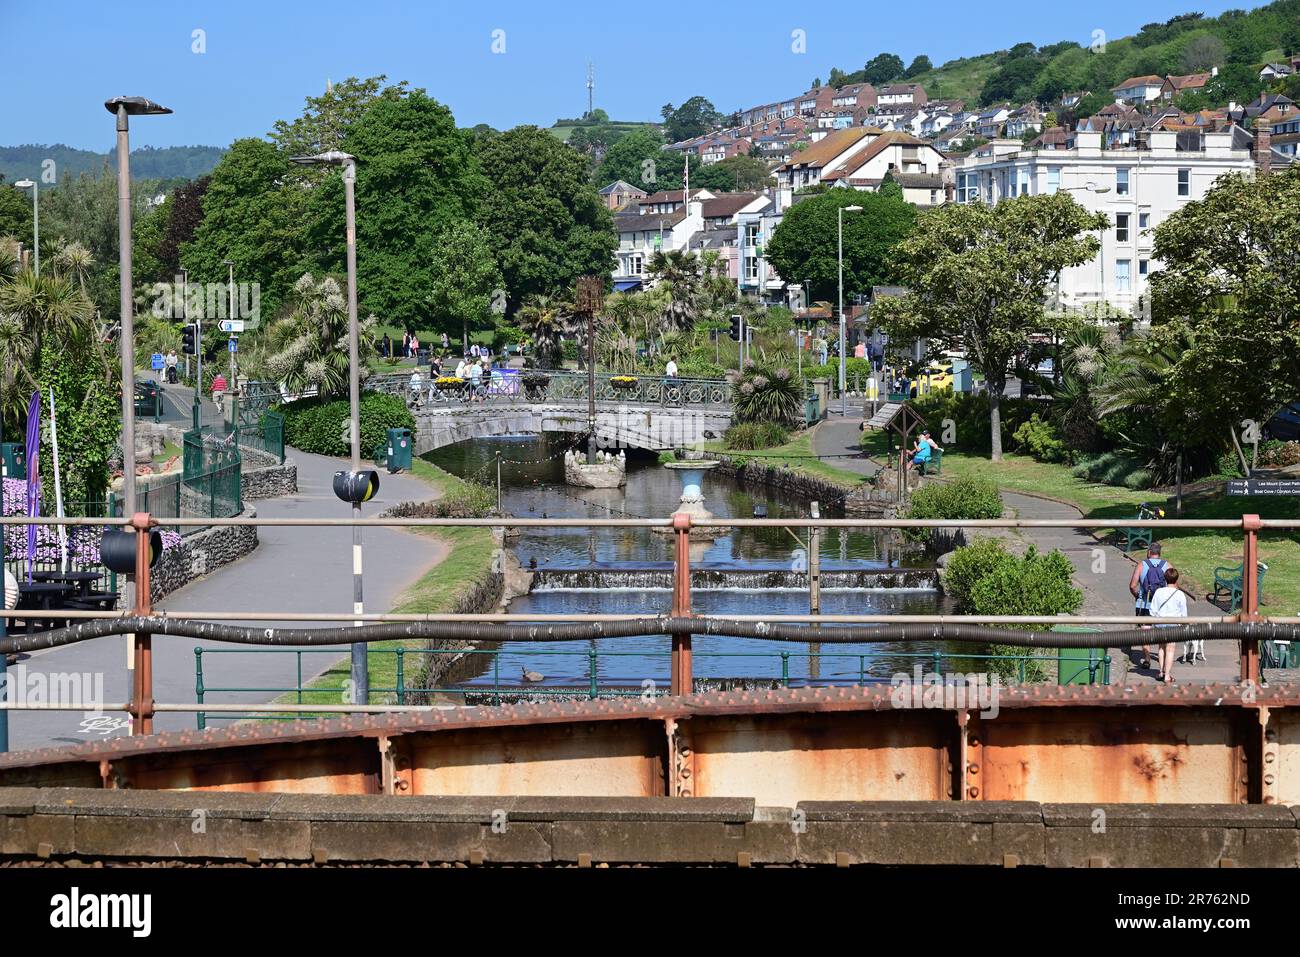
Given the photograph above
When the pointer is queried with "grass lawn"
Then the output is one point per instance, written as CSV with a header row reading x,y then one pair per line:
x,y
437,591
1196,553
795,455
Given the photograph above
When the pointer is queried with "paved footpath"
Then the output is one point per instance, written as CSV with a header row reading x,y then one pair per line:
x,y
1102,571
295,569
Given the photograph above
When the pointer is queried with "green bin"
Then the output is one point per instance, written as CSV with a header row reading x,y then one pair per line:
x,y
13,455
1081,666
398,450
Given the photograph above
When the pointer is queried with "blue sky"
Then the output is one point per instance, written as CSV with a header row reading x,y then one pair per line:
x,y
60,60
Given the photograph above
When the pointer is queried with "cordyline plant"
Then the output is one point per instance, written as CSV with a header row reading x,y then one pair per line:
x,y
772,394
977,276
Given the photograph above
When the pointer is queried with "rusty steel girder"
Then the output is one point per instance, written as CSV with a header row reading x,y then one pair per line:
x,y
1222,744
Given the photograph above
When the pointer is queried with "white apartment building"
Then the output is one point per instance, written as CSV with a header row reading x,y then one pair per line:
x,y
641,235
1142,187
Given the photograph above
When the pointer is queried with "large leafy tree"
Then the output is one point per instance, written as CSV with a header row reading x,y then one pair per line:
x,y
466,281
804,247
977,277
882,68
695,117
1229,296
640,159
309,347
416,178
734,174
15,212
546,221
327,118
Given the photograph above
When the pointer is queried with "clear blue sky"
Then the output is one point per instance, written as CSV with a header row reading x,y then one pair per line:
x,y
60,60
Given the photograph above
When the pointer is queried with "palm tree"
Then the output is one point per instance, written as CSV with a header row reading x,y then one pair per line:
x,y
1087,356
680,273
546,320
308,348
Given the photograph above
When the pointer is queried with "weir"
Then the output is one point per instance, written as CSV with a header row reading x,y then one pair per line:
x,y
660,578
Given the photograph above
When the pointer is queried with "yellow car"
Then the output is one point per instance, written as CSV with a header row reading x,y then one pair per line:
x,y
939,377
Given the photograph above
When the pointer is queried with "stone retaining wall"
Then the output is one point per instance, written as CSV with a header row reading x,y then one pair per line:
x,y
755,472
200,554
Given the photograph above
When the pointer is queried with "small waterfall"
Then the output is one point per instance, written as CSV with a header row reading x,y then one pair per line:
x,y
652,578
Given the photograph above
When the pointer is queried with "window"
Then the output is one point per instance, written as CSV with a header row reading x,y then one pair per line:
x,y
1142,267
1024,182
751,236
1121,227
1144,220
1121,182
635,266
1184,182
1122,268
1053,179
751,268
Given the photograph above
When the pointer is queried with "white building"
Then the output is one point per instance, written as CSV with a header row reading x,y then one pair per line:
x,y
641,235
1142,186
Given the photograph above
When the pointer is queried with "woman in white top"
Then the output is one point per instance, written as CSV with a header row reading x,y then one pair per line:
x,y
1168,602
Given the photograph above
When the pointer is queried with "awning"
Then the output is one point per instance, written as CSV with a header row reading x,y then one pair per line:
x,y
626,285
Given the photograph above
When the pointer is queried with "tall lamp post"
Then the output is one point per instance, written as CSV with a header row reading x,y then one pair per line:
x,y
360,667
124,107
842,211
230,264
36,221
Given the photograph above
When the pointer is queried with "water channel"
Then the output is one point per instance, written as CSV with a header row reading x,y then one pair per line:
x,y
628,570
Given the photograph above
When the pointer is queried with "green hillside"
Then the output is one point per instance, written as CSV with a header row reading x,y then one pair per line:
x,y
1237,42
564,129
172,162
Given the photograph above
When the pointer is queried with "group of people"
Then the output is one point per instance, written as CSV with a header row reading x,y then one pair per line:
x,y
923,451
477,371
1154,586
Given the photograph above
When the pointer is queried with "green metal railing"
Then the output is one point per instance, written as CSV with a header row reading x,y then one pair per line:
x,y
266,435
1096,666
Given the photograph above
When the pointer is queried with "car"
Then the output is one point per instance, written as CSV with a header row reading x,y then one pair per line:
x,y
1285,425
939,376
148,398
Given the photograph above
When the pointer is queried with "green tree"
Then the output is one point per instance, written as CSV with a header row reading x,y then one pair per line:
x,y
920,64
416,178
804,246
546,221
308,348
734,174
466,281
978,276
633,158
1201,53
327,118
15,213
1228,300
882,68
253,212
695,117
547,320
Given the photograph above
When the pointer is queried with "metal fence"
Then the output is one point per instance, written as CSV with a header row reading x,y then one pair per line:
x,y
535,386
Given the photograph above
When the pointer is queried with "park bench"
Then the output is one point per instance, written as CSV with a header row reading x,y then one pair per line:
x,y
935,465
1137,536
1228,584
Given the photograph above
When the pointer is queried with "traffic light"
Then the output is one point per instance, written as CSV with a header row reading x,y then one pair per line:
x,y
188,336
356,487
735,327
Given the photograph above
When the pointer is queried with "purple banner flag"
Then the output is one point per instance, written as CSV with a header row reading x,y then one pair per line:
x,y
33,476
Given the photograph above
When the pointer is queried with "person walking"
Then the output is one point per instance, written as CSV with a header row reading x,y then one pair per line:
x,y
1147,578
218,390
446,343
475,380
1168,601
406,344
670,370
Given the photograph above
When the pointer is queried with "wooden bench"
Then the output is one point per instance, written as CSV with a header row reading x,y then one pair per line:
x,y
1228,584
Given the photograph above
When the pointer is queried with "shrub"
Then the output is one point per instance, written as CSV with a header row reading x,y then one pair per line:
x,y
1277,454
692,368
465,500
1040,439
1034,585
968,564
970,417
755,435
964,498
1113,468
313,425
770,395
667,457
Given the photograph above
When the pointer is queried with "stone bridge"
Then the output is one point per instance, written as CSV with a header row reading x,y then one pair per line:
x,y
631,425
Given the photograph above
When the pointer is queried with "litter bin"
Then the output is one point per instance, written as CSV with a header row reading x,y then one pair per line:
x,y
398,451
14,458
1081,666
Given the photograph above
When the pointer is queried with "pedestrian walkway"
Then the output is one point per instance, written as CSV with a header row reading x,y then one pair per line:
x,y
304,569
1101,570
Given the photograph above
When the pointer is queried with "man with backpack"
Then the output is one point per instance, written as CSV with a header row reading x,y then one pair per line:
x,y
1148,578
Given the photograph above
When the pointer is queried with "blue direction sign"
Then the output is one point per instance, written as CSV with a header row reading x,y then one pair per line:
x,y
156,361
233,346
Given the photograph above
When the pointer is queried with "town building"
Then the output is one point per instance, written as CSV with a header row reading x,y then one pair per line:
x,y
619,194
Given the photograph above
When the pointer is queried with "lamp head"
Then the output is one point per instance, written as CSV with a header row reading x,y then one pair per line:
x,y
135,106
331,158
25,184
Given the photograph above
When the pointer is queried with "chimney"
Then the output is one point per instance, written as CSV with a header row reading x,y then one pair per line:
x,y
1264,150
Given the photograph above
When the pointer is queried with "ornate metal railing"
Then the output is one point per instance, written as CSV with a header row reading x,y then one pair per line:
x,y
514,386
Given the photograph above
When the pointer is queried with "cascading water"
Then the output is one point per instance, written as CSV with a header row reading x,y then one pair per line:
x,y
629,571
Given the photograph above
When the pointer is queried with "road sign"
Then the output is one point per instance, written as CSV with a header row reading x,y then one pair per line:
x,y
156,361
234,345
231,325
1264,487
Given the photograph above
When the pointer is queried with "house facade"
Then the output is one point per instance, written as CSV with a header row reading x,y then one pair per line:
x,y
1143,187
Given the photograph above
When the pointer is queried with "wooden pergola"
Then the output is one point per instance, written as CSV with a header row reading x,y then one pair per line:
x,y
900,419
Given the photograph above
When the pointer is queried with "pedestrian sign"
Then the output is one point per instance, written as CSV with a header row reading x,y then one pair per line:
x,y
156,361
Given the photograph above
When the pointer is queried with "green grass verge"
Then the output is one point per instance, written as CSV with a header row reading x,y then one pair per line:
x,y
1195,552
795,455
468,558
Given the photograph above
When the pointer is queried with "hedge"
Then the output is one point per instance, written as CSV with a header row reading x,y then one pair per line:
x,y
321,425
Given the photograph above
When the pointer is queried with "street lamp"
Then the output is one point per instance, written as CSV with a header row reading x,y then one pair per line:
x,y
230,263
842,211
360,667
36,221
124,107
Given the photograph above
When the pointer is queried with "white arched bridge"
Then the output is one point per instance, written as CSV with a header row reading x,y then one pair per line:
x,y
644,412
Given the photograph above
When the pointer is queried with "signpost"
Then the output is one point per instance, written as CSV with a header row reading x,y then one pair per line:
x,y
231,325
1264,487
156,361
